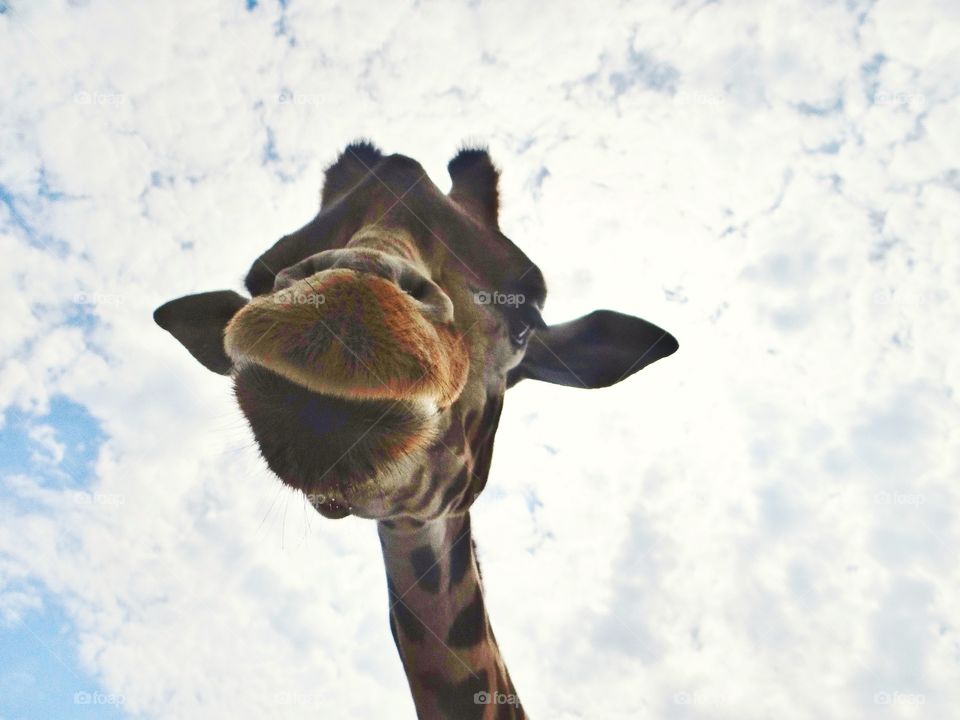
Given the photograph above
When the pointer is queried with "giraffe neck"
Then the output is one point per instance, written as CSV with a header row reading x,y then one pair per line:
x,y
439,621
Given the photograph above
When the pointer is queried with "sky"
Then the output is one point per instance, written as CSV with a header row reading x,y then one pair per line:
x,y
762,525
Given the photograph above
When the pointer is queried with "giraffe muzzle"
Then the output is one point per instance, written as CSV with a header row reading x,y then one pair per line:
x,y
354,333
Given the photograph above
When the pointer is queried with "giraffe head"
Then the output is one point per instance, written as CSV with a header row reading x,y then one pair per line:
x,y
372,360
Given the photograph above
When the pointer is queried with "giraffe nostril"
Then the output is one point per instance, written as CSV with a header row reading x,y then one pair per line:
x,y
416,287
433,301
282,281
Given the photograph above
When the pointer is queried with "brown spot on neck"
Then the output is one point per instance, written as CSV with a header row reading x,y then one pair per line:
x,y
439,621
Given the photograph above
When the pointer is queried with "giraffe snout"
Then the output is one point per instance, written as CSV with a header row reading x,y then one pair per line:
x,y
431,300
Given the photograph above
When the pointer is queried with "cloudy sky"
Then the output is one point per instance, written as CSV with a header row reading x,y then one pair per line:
x,y
763,525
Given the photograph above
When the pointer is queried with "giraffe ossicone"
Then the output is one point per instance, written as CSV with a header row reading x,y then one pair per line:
x,y
371,362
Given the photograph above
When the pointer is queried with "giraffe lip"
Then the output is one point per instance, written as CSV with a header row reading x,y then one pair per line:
x,y
327,333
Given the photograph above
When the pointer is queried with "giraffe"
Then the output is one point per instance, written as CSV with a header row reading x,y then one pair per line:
x,y
371,362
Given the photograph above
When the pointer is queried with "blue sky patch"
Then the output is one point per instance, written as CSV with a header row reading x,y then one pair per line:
x,y
39,673
31,444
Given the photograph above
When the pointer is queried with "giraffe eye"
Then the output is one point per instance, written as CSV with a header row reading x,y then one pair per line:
x,y
519,333
526,318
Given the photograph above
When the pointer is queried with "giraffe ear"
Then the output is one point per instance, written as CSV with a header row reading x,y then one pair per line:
x,y
475,181
198,321
594,351
356,160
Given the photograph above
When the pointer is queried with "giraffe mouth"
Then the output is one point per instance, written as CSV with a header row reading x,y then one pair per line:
x,y
332,509
346,456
